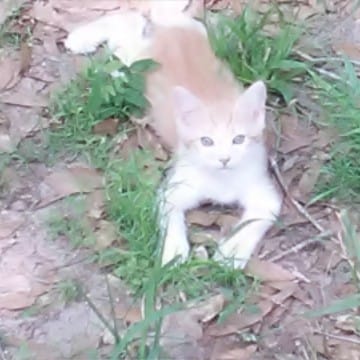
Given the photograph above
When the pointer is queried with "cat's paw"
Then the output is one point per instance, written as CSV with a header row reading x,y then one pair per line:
x,y
175,247
232,254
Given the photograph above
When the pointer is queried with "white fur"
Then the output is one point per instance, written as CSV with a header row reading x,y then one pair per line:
x,y
124,32
198,173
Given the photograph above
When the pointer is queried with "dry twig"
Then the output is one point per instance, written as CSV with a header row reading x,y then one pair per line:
x,y
295,203
299,246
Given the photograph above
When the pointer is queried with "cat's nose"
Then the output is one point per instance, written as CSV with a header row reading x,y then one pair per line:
x,y
224,161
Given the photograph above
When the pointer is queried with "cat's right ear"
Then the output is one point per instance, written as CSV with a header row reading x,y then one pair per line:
x,y
187,107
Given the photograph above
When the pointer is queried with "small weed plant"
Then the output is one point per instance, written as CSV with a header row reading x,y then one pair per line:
x,y
253,55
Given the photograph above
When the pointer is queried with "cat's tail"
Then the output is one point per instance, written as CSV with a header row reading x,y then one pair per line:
x,y
123,33
127,33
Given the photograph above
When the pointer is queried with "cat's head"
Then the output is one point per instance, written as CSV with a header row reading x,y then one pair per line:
x,y
219,139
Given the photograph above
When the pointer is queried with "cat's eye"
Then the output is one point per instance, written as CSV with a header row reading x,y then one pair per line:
x,y
206,141
238,139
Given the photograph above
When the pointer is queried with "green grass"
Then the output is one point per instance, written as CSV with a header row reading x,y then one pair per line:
x,y
71,223
69,291
9,37
243,43
340,100
352,254
252,55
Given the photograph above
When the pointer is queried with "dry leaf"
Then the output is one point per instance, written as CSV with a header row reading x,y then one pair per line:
x,y
72,180
227,222
9,73
147,140
211,307
105,235
201,253
308,180
235,323
202,218
349,323
25,99
236,354
350,49
181,330
201,237
106,127
95,204
9,222
267,271
25,57
294,134
18,292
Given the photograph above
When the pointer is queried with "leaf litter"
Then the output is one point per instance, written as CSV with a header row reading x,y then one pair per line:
x,y
280,286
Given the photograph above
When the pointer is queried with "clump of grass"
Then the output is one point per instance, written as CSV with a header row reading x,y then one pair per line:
x,y
69,290
253,55
71,223
340,101
93,96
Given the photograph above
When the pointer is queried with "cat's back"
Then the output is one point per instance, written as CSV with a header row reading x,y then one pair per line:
x,y
185,59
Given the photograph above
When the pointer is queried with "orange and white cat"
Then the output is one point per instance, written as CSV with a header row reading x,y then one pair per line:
x,y
212,125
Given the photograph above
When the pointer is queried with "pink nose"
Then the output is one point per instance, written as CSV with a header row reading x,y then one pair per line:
x,y
224,161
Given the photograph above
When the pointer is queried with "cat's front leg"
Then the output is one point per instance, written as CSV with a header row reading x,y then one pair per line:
x,y
174,201
262,205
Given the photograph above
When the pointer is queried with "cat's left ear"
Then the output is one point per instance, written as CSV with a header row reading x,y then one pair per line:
x,y
250,108
188,110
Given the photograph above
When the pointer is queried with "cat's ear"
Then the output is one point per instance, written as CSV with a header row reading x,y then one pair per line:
x,y
188,109
250,108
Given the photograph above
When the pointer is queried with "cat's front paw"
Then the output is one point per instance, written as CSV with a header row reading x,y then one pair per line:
x,y
80,41
232,254
175,247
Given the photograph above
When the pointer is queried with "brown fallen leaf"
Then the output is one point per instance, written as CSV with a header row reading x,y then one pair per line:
x,y
227,222
202,218
106,127
25,57
9,73
71,180
235,354
25,99
148,140
235,323
181,330
105,235
95,204
308,180
267,271
295,134
350,49
18,292
10,221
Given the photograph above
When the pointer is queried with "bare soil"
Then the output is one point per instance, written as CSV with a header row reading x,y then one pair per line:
x,y
35,320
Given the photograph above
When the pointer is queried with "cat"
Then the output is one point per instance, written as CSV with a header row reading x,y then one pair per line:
x,y
214,129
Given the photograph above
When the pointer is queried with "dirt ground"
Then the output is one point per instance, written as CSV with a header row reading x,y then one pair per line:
x,y
36,322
